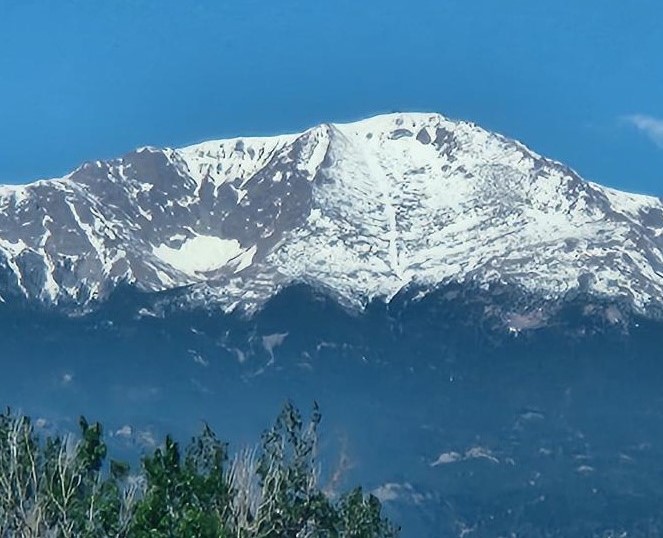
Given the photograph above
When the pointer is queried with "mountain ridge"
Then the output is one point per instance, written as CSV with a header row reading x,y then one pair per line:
x,y
361,209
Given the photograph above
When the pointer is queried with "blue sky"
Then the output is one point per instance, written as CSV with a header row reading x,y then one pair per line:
x,y
580,81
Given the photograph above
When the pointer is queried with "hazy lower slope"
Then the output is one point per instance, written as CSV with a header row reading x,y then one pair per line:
x,y
461,428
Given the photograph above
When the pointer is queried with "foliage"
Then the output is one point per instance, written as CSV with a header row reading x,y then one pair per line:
x,y
64,487
56,488
186,497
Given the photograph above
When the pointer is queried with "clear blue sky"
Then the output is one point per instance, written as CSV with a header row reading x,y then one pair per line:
x,y
580,81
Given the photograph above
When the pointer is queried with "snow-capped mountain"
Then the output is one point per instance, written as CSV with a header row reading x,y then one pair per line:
x,y
361,210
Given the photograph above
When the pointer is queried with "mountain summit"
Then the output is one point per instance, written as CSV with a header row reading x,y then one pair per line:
x,y
361,210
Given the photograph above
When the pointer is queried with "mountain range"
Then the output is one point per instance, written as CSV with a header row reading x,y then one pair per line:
x,y
361,210
480,326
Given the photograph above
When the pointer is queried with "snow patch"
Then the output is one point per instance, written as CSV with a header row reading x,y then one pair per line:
x,y
246,259
200,254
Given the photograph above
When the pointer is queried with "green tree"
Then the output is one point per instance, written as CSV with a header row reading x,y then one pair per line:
x,y
288,473
184,497
360,517
62,487
294,505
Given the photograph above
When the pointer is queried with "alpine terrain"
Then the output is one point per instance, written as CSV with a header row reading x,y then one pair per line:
x,y
481,327
362,210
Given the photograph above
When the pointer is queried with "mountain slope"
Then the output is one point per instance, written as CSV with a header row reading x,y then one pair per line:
x,y
361,210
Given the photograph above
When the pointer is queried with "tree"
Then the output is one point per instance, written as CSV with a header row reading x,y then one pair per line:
x,y
184,498
21,510
360,517
61,487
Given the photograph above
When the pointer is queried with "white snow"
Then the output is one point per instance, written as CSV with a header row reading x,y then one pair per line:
x,y
91,234
387,210
398,211
246,258
221,161
13,249
199,254
51,287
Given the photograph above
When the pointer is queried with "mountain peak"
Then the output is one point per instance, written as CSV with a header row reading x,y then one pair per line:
x,y
360,209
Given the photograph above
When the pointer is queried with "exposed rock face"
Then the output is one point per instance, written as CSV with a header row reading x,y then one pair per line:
x,y
361,210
